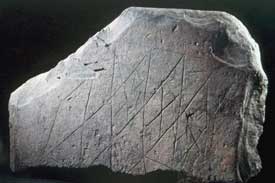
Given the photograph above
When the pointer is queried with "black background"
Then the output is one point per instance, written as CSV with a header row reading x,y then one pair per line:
x,y
35,35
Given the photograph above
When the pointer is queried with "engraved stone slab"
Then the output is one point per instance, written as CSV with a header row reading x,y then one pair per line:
x,y
167,89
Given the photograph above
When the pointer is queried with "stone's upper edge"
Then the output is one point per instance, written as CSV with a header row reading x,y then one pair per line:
x,y
236,32
235,29
23,95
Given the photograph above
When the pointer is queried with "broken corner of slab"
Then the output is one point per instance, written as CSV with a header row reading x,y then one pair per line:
x,y
156,89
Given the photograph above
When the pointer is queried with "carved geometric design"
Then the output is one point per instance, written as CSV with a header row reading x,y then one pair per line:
x,y
155,89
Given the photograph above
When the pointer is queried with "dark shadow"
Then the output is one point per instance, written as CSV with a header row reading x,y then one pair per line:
x,y
99,174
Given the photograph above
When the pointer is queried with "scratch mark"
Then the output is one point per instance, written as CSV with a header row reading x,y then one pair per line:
x,y
119,109
69,135
154,92
73,90
190,128
108,99
161,111
139,94
105,43
52,127
174,28
83,121
138,85
75,130
187,106
94,113
189,115
181,89
223,99
99,108
99,69
56,114
135,165
191,146
143,112
101,152
171,71
156,161
125,94
111,120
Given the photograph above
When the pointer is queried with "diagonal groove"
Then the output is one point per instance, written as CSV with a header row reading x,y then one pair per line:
x,y
125,95
128,122
156,161
223,99
187,106
143,112
181,89
120,86
134,166
162,109
56,114
192,145
191,133
154,92
111,115
101,152
83,120
119,109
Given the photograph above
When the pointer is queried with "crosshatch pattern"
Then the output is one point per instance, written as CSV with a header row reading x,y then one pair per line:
x,y
156,95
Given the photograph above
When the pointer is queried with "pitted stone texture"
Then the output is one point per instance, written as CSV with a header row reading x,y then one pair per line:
x,y
165,89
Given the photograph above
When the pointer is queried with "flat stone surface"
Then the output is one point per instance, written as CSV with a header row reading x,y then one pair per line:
x,y
167,89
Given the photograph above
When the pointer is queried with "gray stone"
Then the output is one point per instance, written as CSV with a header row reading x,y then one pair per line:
x,y
166,89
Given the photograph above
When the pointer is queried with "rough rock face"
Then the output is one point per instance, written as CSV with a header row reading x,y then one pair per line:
x,y
165,89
